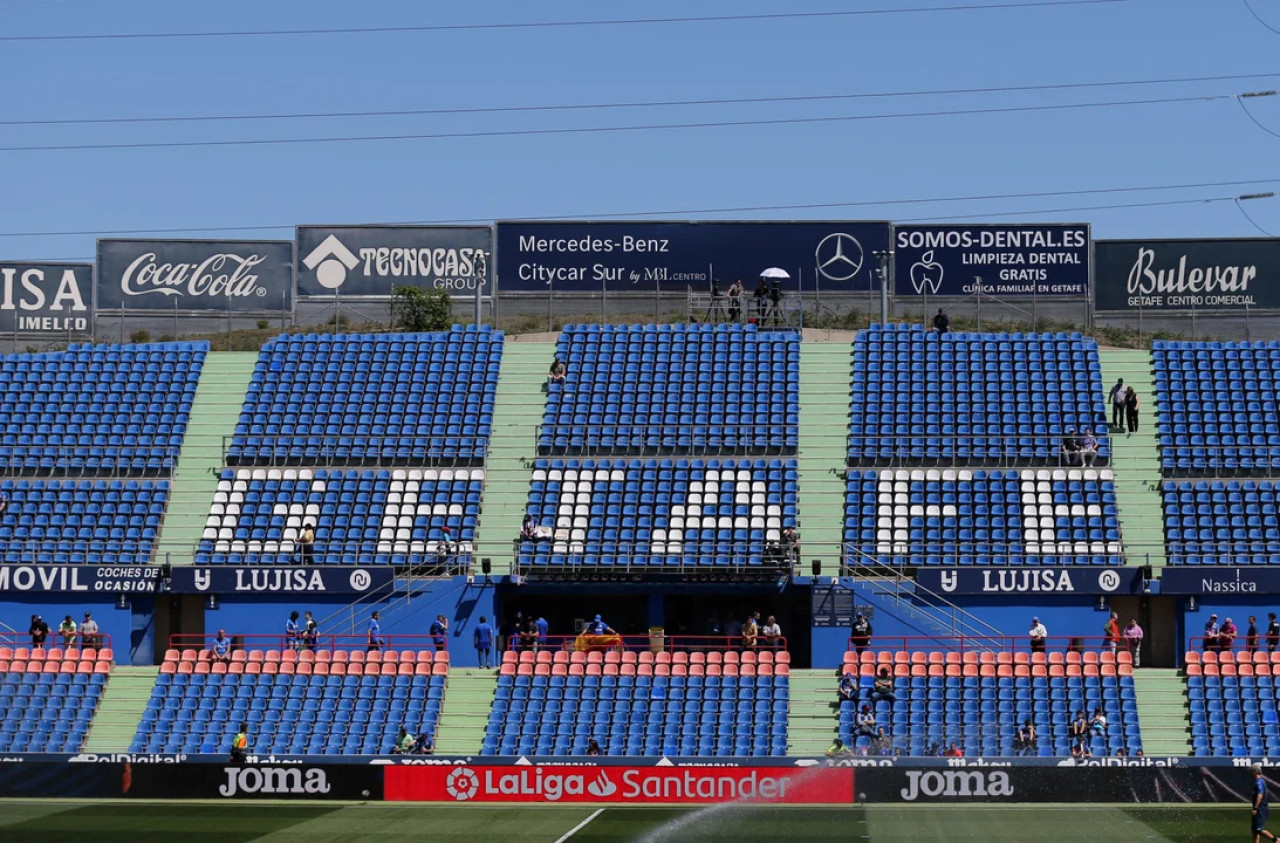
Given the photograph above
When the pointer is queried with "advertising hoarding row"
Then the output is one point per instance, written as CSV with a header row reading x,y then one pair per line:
x,y
1157,276
46,297
1004,261
369,260
188,579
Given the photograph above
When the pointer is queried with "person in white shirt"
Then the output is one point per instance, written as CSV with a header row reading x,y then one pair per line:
x,y
771,633
89,631
1038,635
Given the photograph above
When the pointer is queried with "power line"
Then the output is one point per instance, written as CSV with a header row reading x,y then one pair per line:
x,y
587,130
741,209
1078,209
1252,221
477,27
1255,120
1260,20
418,112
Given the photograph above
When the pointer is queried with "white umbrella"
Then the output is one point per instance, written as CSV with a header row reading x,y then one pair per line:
x,y
774,272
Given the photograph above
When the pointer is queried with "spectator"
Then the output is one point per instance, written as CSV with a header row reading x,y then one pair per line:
x,y
529,637
221,651
848,689
1081,749
1070,450
941,323
750,634
866,726
771,633
311,636
862,633
39,631
762,299
528,528
307,543
1088,447
482,638
883,688
837,749
240,745
1211,634
1079,727
88,631
404,742
292,632
934,750
735,301
1116,399
541,626
1273,632
881,744
1121,752
593,748
1098,722
1133,637
439,632
954,751
713,626
4,503
1131,409
790,544
1039,636
1111,633
67,631
732,630
424,745
557,371
1227,635
1251,636
376,642
444,552
1025,742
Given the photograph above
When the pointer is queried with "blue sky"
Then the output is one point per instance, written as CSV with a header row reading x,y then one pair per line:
x,y
873,160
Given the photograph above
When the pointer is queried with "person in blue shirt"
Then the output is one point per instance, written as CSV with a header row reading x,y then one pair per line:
x,y
1260,807
598,627
440,632
542,626
221,647
292,634
375,634
482,638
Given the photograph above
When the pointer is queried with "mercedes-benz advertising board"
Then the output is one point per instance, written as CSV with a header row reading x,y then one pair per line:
x,y
1012,260
38,298
621,257
1177,275
369,260
245,276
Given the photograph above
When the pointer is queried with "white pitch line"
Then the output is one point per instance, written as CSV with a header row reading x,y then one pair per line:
x,y
580,826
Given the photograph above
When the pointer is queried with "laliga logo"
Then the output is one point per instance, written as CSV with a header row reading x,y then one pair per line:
x,y
330,261
462,784
360,580
839,256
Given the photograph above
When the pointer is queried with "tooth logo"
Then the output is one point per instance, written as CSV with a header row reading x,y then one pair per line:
x,y
926,272
839,257
330,261
602,786
462,784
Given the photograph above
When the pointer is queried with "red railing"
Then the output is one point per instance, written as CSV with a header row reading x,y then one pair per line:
x,y
653,643
321,643
14,640
1237,644
989,644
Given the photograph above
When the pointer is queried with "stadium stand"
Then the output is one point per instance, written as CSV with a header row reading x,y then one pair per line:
x,y
406,398
1217,405
48,696
331,703
97,408
707,704
660,513
107,522
972,399
361,517
959,516
674,389
1233,702
979,699
1221,522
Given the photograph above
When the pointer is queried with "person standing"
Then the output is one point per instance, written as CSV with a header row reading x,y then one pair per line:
x,y
39,631
240,745
1116,399
541,626
862,633
1251,636
1260,809
88,631
762,299
735,301
440,632
1039,636
482,640
771,633
292,633
67,629
1131,409
1133,637
375,634
1111,633
1211,634
1227,636
306,544
1273,632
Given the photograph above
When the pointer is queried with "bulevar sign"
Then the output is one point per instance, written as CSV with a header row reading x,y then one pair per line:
x,y
620,785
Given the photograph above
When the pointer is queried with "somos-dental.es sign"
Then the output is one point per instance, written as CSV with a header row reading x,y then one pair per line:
x,y
248,276
1014,259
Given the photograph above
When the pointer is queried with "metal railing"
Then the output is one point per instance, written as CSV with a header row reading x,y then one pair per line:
x,y
1208,460
421,557
769,559
786,311
1237,643
639,440
1030,451
15,641
355,450
1024,650
897,555
654,642
99,460
247,645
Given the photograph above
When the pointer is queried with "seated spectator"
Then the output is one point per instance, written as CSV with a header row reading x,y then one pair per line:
x,y
1088,446
791,544
1070,450
528,528
424,745
1098,723
593,748
941,323
883,689
558,370
954,751
1025,742
1227,635
881,744
221,651
1079,727
837,749
866,726
750,634
1081,749
1121,752
771,633
934,750
404,742
848,688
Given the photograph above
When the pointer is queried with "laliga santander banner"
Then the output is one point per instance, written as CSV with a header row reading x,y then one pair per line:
x,y
620,785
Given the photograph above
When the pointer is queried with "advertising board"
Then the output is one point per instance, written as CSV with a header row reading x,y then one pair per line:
x,y
46,297
1012,260
1176,275
188,579
246,276
1020,580
369,260
1243,581
191,781
621,257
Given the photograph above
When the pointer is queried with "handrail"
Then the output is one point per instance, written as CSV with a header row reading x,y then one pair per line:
x,y
895,448
270,451
696,442
1238,643
758,556
1019,644
109,460
654,642
330,643
55,641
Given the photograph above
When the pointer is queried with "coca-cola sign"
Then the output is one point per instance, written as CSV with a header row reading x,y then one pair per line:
x,y
251,276
1182,275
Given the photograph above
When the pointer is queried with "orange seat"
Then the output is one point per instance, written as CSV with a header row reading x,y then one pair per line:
x,y
406,669
303,669
1193,669
253,656
85,666
287,668
190,655
781,658
1020,670
373,657
253,668
102,667
782,670
1039,670
389,669
167,667
271,668
340,657
1191,657
764,670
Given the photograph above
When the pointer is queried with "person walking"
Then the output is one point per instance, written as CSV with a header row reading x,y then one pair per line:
x,y
1251,636
1116,399
1273,632
240,745
1131,409
1111,633
1260,809
439,632
1133,638
376,642
482,640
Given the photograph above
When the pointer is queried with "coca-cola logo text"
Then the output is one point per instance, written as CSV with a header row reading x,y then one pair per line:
x,y
219,275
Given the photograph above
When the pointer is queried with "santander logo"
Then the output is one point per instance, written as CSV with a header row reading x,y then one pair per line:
x,y
218,275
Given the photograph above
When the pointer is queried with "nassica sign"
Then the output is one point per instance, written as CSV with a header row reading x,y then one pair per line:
x,y
1172,275
675,256
1022,580
368,260
619,785
240,275
998,260
1229,581
40,297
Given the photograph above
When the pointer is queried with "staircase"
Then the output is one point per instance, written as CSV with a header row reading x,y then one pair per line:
x,y
823,451
895,598
1163,713
517,411
215,410
466,711
1136,460
120,709
813,714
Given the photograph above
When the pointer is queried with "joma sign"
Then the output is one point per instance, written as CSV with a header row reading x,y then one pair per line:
x,y
247,276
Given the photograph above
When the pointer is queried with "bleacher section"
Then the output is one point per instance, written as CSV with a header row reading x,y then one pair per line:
x,y
296,702
972,399
48,696
1222,522
965,517
657,514
1233,702
640,704
361,517
674,389
979,699
105,522
97,408
1218,408
406,398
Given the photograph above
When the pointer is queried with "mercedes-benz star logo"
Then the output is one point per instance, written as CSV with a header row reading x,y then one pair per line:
x,y
839,256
